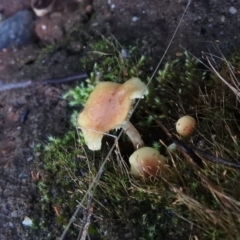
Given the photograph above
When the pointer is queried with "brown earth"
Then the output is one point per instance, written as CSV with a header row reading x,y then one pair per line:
x,y
28,116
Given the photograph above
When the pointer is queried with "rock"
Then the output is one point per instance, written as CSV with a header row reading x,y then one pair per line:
x,y
11,7
27,222
49,30
89,9
17,30
232,10
135,19
124,53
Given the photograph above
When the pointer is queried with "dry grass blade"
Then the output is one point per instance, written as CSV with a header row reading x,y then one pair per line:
x,y
83,232
91,189
204,215
220,77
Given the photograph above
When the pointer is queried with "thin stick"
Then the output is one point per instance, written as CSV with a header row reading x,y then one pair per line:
x,y
164,54
82,234
228,84
28,83
91,188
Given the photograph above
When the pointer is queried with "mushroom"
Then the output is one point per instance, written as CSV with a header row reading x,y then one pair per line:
x,y
147,162
185,126
42,7
107,108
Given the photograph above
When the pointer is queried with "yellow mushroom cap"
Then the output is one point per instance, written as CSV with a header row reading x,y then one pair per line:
x,y
146,162
107,108
185,126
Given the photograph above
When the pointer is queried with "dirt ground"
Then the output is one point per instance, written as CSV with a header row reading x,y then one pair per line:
x,y
28,116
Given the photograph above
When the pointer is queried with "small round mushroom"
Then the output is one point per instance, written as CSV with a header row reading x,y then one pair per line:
x,y
185,126
147,162
107,108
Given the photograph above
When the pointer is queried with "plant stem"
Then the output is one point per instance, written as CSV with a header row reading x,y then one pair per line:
x,y
24,84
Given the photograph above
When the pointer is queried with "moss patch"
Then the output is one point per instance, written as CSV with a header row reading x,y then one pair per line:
x,y
192,201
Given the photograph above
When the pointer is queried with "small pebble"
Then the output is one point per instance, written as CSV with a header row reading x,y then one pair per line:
x,y
10,224
124,53
179,54
54,192
201,144
23,115
128,236
44,27
37,154
22,176
222,19
89,9
135,19
232,10
27,222
29,158
14,214
94,24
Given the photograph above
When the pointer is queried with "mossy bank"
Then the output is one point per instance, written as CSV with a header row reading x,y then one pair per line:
x,y
192,203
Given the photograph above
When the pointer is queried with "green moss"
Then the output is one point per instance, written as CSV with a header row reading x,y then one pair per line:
x,y
189,202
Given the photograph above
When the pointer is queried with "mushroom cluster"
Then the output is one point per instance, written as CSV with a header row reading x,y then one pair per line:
x,y
107,108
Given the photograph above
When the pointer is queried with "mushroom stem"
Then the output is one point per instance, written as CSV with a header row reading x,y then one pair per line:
x,y
133,134
41,8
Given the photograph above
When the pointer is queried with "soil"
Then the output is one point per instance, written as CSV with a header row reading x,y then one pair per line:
x,y
29,116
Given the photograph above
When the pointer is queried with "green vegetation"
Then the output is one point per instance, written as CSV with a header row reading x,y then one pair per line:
x,y
192,203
